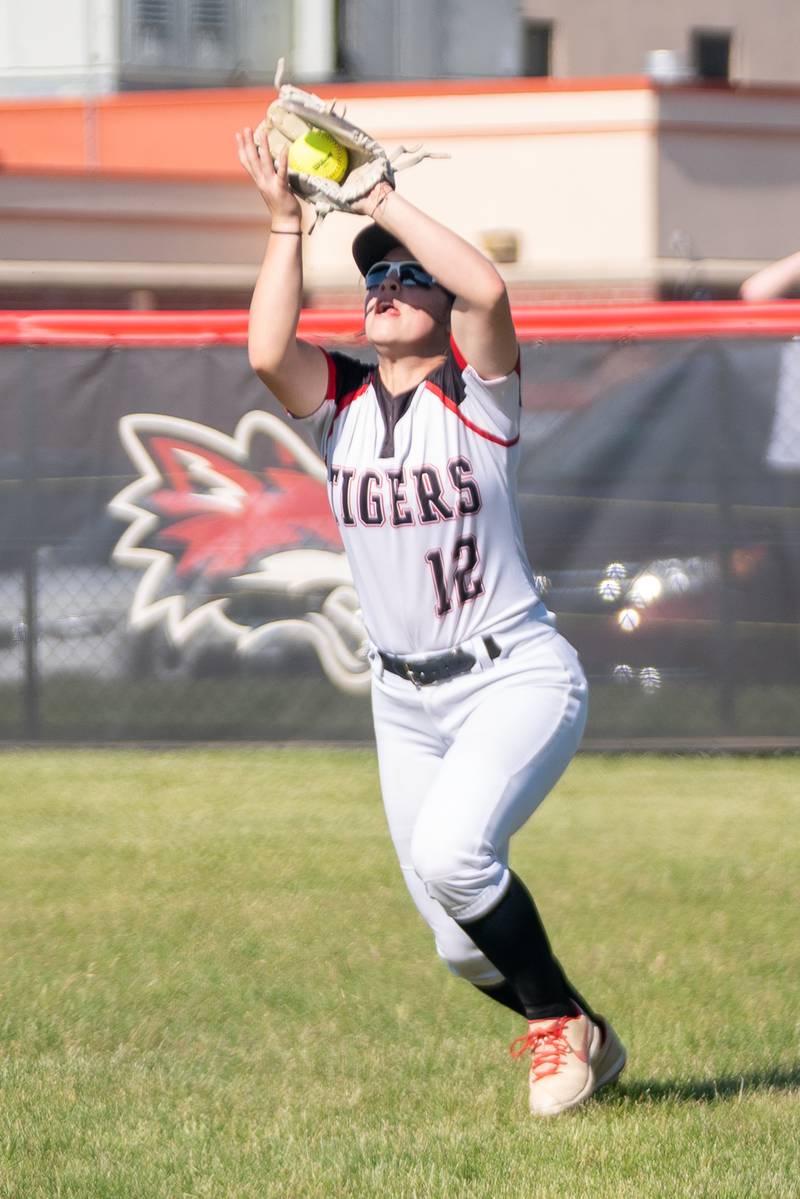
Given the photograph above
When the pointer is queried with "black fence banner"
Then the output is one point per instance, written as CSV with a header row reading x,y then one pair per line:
x,y
170,569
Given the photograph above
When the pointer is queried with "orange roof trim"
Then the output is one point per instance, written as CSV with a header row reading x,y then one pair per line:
x,y
190,133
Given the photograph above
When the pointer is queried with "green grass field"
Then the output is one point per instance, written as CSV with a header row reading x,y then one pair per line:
x,y
214,985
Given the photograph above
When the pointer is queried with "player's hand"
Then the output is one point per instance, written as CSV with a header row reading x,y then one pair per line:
x,y
371,204
272,184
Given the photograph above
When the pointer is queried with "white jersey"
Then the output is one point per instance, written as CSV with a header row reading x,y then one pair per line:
x,y
423,488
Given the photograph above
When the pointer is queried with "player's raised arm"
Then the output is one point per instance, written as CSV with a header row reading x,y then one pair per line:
x,y
481,318
773,281
294,371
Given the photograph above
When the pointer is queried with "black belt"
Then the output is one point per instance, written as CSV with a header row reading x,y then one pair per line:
x,y
435,669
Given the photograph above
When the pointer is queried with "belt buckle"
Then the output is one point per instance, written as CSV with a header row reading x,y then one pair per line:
x,y
411,675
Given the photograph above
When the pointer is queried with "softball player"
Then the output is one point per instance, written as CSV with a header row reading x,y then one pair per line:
x,y
479,704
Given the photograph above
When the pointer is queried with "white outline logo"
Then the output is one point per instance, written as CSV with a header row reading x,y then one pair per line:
x,y
335,632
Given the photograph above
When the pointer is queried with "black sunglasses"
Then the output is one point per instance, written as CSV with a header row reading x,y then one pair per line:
x,y
409,274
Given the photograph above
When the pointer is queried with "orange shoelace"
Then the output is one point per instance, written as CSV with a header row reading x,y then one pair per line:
x,y
548,1046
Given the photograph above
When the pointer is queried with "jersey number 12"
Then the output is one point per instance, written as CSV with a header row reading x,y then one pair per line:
x,y
460,581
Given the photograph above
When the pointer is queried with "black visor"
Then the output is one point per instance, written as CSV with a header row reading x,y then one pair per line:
x,y
372,245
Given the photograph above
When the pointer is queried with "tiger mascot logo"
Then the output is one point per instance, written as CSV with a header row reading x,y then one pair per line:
x,y
235,539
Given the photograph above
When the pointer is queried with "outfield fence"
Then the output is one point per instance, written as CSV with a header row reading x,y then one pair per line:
x,y
169,568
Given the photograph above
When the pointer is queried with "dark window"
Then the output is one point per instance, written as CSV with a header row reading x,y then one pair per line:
x,y
537,48
711,54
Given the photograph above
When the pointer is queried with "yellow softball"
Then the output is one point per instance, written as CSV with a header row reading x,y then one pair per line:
x,y
317,153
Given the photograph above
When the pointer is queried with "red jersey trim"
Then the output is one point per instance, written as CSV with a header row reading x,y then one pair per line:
x,y
330,390
453,407
345,402
461,361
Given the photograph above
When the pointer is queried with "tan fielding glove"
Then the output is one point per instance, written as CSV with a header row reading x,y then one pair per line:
x,y
294,113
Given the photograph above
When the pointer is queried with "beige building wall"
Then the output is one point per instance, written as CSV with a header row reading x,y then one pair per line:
x,y
729,173
614,36
547,168
625,191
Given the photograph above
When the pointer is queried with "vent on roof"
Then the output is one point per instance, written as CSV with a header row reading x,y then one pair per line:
x,y
192,43
209,17
667,66
152,18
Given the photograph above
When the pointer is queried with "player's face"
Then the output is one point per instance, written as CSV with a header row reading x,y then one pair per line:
x,y
404,305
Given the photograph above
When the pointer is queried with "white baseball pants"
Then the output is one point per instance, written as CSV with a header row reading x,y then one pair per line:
x,y
463,765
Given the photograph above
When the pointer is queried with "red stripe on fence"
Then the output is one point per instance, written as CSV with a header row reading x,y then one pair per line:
x,y
689,319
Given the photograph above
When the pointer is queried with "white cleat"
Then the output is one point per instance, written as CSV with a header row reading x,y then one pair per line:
x,y
571,1058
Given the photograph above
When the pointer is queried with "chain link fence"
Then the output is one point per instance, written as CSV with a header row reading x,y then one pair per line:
x,y
169,569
